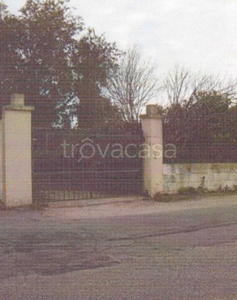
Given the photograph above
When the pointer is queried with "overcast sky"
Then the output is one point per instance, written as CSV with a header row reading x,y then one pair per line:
x,y
198,34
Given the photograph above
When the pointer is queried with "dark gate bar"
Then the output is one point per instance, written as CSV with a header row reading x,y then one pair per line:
x,y
77,164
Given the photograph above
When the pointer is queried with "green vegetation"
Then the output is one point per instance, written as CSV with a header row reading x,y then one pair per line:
x,y
191,193
61,66
75,77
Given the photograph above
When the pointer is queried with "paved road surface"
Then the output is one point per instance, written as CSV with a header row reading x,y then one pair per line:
x,y
137,250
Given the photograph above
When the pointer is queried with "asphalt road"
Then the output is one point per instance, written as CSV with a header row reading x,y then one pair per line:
x,y
186,253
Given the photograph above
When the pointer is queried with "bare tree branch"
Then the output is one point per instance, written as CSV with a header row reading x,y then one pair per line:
x,y
200,107
181,86
132,85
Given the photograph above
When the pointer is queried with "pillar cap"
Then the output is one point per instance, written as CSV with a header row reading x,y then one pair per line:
x,y
152,112
17,100
18,103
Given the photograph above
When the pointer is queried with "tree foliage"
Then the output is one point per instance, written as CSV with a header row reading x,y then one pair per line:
x,y
201,109
9,58
94,66
47,54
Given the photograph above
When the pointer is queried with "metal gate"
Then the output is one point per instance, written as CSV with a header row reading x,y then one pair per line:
x,y
76,164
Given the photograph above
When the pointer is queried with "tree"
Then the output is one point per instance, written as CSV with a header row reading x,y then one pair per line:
x,y
3,10
199,108
42,40
94,64
132,85
9,58
49,62
202,122
180,85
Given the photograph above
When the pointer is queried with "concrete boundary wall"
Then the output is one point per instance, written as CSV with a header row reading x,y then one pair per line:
x,y
169,178
210,176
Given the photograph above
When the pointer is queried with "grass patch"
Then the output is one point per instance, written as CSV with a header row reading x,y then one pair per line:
x,y
191,193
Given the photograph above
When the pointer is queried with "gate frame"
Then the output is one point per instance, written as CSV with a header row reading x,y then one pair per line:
x,y
17,152
101,176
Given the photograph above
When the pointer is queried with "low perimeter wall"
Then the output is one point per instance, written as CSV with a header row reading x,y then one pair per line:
x,y
210,176
0,159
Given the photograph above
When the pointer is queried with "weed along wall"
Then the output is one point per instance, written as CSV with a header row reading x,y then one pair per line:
x,y
209,176
1,159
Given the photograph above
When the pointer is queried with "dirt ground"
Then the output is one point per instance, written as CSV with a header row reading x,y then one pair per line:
x,y
120,249
133,207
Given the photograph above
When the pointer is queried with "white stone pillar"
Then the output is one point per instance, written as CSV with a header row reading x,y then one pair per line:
x,y
16,154
153,151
